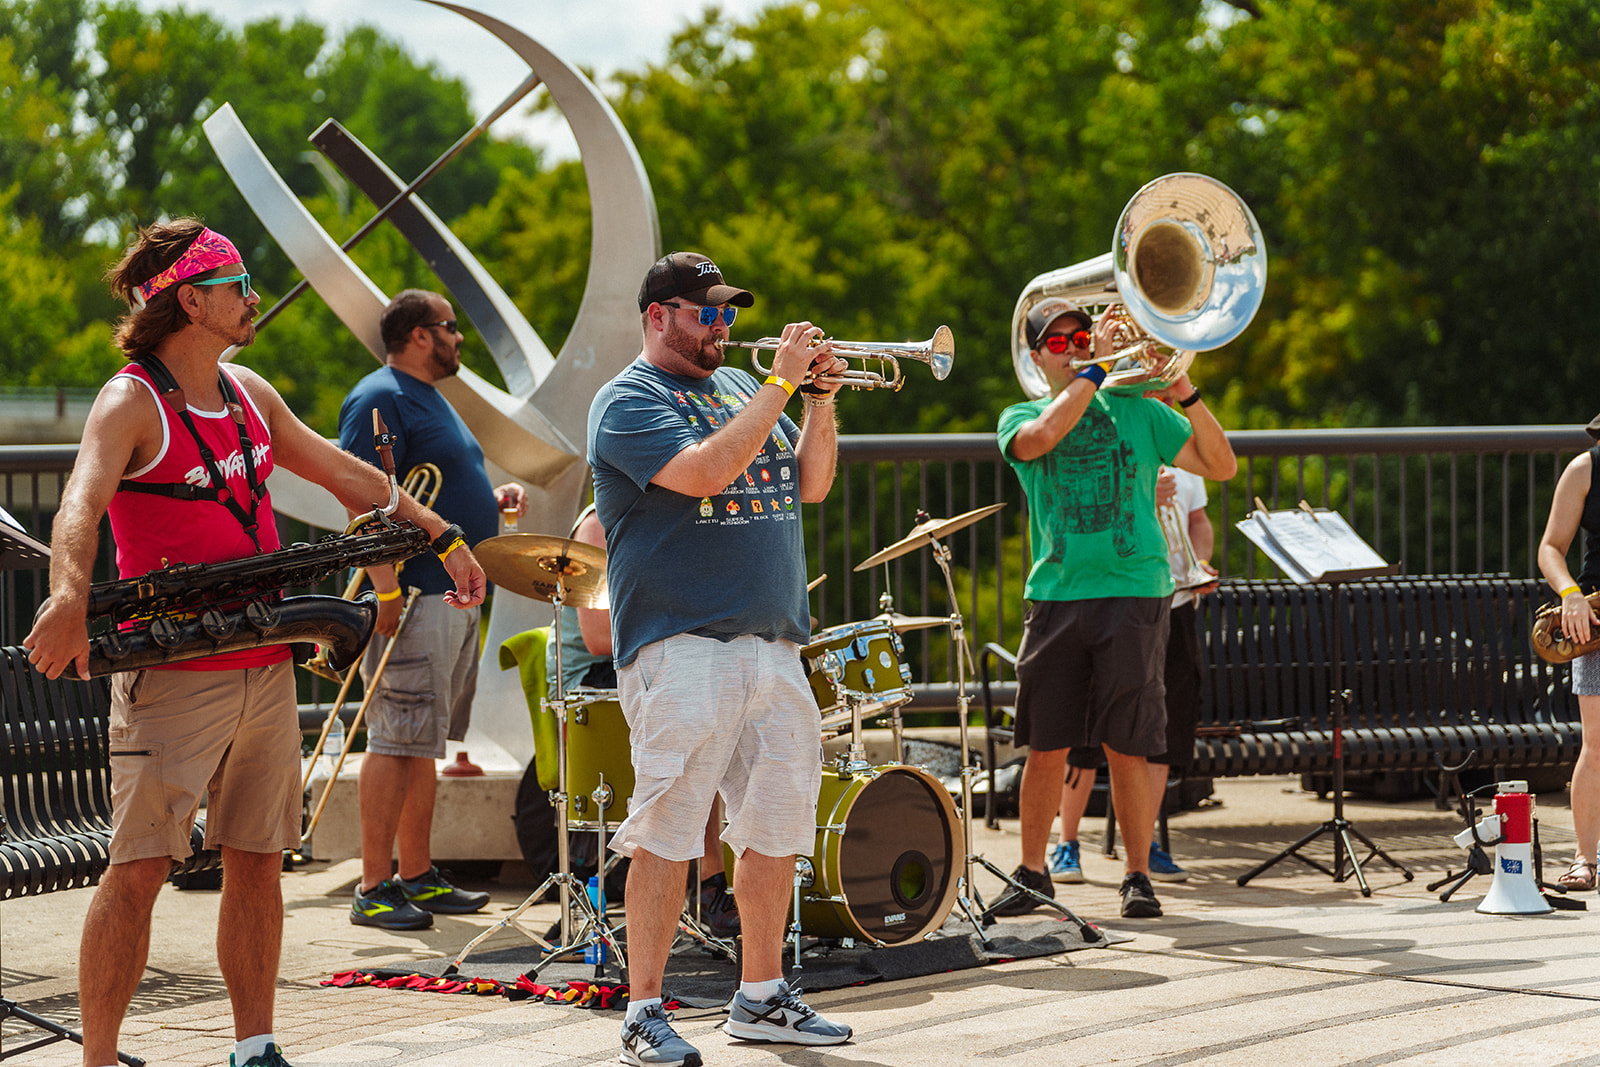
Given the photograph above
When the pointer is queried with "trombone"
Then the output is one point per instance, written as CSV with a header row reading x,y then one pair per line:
x,y
423,483
938,352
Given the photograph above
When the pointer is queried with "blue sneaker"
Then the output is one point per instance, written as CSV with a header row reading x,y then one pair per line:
x,y
1162,869
1064,865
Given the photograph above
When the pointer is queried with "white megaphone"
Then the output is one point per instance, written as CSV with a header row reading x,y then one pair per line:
x,y
1514,890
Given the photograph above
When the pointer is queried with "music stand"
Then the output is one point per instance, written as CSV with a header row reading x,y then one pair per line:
x,y
1315,546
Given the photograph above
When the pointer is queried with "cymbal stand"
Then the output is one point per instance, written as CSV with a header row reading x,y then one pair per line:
x,y
968,899
593,929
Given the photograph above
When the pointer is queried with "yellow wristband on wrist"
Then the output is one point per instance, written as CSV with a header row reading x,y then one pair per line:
x,y
782,383
457,543
393,594
1568,591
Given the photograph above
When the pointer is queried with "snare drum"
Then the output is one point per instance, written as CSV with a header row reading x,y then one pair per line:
x,y
858,662
598,755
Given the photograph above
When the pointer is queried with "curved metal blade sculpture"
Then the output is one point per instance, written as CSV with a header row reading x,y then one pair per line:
x,y
534,432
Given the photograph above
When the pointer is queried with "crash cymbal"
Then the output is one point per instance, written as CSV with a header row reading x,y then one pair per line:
x,y
925,532
902,623
530,564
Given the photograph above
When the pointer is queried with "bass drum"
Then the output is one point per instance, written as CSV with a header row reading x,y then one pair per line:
x,y
886,865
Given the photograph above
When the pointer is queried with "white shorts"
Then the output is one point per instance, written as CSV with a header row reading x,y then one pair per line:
x,y
735,717
1586,675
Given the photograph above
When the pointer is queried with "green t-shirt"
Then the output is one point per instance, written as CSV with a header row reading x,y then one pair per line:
x,y
1091,499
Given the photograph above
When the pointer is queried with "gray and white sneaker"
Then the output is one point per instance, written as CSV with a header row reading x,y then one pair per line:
x,y
651,1041
782,1017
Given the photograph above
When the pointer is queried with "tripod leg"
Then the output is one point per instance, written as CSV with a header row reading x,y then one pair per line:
x,y
1378,852
1292,850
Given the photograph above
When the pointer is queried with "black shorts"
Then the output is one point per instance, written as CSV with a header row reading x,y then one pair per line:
x,y
1183,688
1089,673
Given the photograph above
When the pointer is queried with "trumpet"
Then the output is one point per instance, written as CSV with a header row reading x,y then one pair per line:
x,y
938,352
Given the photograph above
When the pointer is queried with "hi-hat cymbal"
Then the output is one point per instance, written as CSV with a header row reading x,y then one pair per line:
x,y
902,623
531,564
925,532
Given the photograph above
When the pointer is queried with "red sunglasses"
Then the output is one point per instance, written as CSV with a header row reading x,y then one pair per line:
x,y
1057,342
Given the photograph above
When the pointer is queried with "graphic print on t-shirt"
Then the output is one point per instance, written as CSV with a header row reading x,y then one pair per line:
x,y
1091,475
766,490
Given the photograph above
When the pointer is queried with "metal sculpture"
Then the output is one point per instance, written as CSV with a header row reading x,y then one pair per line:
x,y
534,432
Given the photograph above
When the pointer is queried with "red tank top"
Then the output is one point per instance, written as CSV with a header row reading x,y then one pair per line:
x,y
152,532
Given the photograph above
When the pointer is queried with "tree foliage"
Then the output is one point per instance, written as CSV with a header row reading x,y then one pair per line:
x,y
1423,171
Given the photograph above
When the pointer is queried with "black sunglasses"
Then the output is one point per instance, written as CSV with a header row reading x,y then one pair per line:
x,y
449,324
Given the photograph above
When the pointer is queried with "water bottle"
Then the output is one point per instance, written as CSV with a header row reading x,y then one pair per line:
x,y
334,744
595,953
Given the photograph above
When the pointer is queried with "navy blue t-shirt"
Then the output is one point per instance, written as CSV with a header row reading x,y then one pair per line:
x,y
428,431
722,566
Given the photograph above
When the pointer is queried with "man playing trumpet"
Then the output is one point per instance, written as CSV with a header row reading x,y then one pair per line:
x,y
693,462
1089,669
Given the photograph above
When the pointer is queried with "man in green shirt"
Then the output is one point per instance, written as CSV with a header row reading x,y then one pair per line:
x,y
1089,669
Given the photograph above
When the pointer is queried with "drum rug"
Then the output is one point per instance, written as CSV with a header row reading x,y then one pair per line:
x,y
698,979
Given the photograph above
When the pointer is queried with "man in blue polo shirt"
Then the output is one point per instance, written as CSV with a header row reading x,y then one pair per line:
x,y
425,694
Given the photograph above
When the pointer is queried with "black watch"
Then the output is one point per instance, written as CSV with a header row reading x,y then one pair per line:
x,y
445,540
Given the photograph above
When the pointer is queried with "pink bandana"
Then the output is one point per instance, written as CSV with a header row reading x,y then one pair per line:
x,y
209,250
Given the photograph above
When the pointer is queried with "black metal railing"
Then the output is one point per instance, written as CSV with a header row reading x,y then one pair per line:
x,y
1432,500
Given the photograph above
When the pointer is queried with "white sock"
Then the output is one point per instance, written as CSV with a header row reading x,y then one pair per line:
x,y
251,1046
760,991
636,1009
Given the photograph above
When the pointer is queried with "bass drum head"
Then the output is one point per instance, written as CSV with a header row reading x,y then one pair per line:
x,y
896,863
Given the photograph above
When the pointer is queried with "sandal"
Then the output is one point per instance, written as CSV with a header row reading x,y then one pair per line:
x,y
1580,876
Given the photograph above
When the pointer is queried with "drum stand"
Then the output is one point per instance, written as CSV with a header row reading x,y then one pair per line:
x,y
968,899
594,928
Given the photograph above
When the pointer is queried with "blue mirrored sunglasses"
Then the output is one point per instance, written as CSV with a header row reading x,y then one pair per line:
x,y
242,279
708,315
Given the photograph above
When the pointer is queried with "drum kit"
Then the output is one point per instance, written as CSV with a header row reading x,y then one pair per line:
x,y
893,857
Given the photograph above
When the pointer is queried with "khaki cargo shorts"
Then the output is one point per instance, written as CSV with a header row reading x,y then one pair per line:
x,y
232,736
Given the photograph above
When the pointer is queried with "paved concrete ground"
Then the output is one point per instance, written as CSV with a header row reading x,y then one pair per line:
x,y
1292,968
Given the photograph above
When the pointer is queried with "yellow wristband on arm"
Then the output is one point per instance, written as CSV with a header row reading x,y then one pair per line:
x,y
457,543
782,383
393,594
1568,591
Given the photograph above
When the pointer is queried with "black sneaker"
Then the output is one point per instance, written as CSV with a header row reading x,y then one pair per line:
x,y
431,892
1013,902
386,906
717,908
1138,898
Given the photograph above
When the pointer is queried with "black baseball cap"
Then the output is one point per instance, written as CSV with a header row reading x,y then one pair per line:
x,y
1042,314
691,276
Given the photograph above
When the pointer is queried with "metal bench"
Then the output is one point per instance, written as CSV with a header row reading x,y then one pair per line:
x,y
1441,672
55,782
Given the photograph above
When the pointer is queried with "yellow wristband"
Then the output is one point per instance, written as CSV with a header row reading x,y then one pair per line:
x,y
457,543
1568,591
393,594
782,383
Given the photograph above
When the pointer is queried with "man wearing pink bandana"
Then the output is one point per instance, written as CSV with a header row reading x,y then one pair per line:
x,y
177,450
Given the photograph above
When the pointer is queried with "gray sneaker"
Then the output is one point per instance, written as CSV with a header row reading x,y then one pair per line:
x,y
782,1017
652,1042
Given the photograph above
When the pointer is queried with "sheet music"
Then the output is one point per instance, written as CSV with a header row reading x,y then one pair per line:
x,y
1312,545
